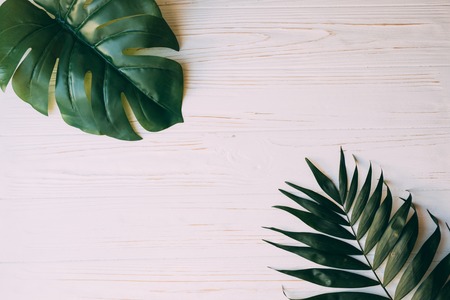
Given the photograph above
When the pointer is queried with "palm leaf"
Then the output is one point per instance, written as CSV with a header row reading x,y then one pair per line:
x,y
325,258
363,197
320,242
347,296
370,210
343,181
353,187
417,268
332,278
86,41
392,233
432,285
379,223
368,218
316,209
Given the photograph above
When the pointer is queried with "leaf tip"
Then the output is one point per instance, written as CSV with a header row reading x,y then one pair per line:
x,y
284,292
137,138
292,185
176,46
435,220
409,197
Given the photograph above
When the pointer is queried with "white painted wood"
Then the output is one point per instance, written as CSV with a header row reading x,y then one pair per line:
x,y
179,214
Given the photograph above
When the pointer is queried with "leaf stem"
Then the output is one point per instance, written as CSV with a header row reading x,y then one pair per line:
x,y
367,259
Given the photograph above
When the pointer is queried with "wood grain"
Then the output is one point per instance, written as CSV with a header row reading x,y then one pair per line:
x,y
179,214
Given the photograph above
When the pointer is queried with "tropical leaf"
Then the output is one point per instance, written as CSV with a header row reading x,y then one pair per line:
x,y
347,296
332,278
381,222
370,210
361,200
445,292
417,268
316,209
320,241
432,285
391,234
85,41
362,216
325,258
318,224
325,183
343,181
353,188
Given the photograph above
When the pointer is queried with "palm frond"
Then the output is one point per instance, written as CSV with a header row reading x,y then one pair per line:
x,y
349,213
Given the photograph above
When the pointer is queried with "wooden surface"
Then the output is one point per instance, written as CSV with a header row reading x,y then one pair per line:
x,y
179,214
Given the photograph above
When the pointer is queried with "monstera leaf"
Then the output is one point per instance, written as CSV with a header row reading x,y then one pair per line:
x,y
86,42
350,223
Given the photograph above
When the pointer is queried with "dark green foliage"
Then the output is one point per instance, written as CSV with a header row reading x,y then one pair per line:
x,y
419,265
366,216
347,296
320,242
86,40
332,278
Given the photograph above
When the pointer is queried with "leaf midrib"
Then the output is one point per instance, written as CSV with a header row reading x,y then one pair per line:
x,y
80,38
367,259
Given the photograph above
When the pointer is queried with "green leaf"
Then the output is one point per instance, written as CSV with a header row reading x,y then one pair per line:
x,y
316,209
343,181
332,278
352,190
363,196
432,285
346,296
420,264
370,210
320,242
394,238
318,198
325,258
380,223
318,223
392,234
402,250
445,292
86,41
324,182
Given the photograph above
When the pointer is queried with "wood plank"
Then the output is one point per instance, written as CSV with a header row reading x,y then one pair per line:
x,y
179,215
